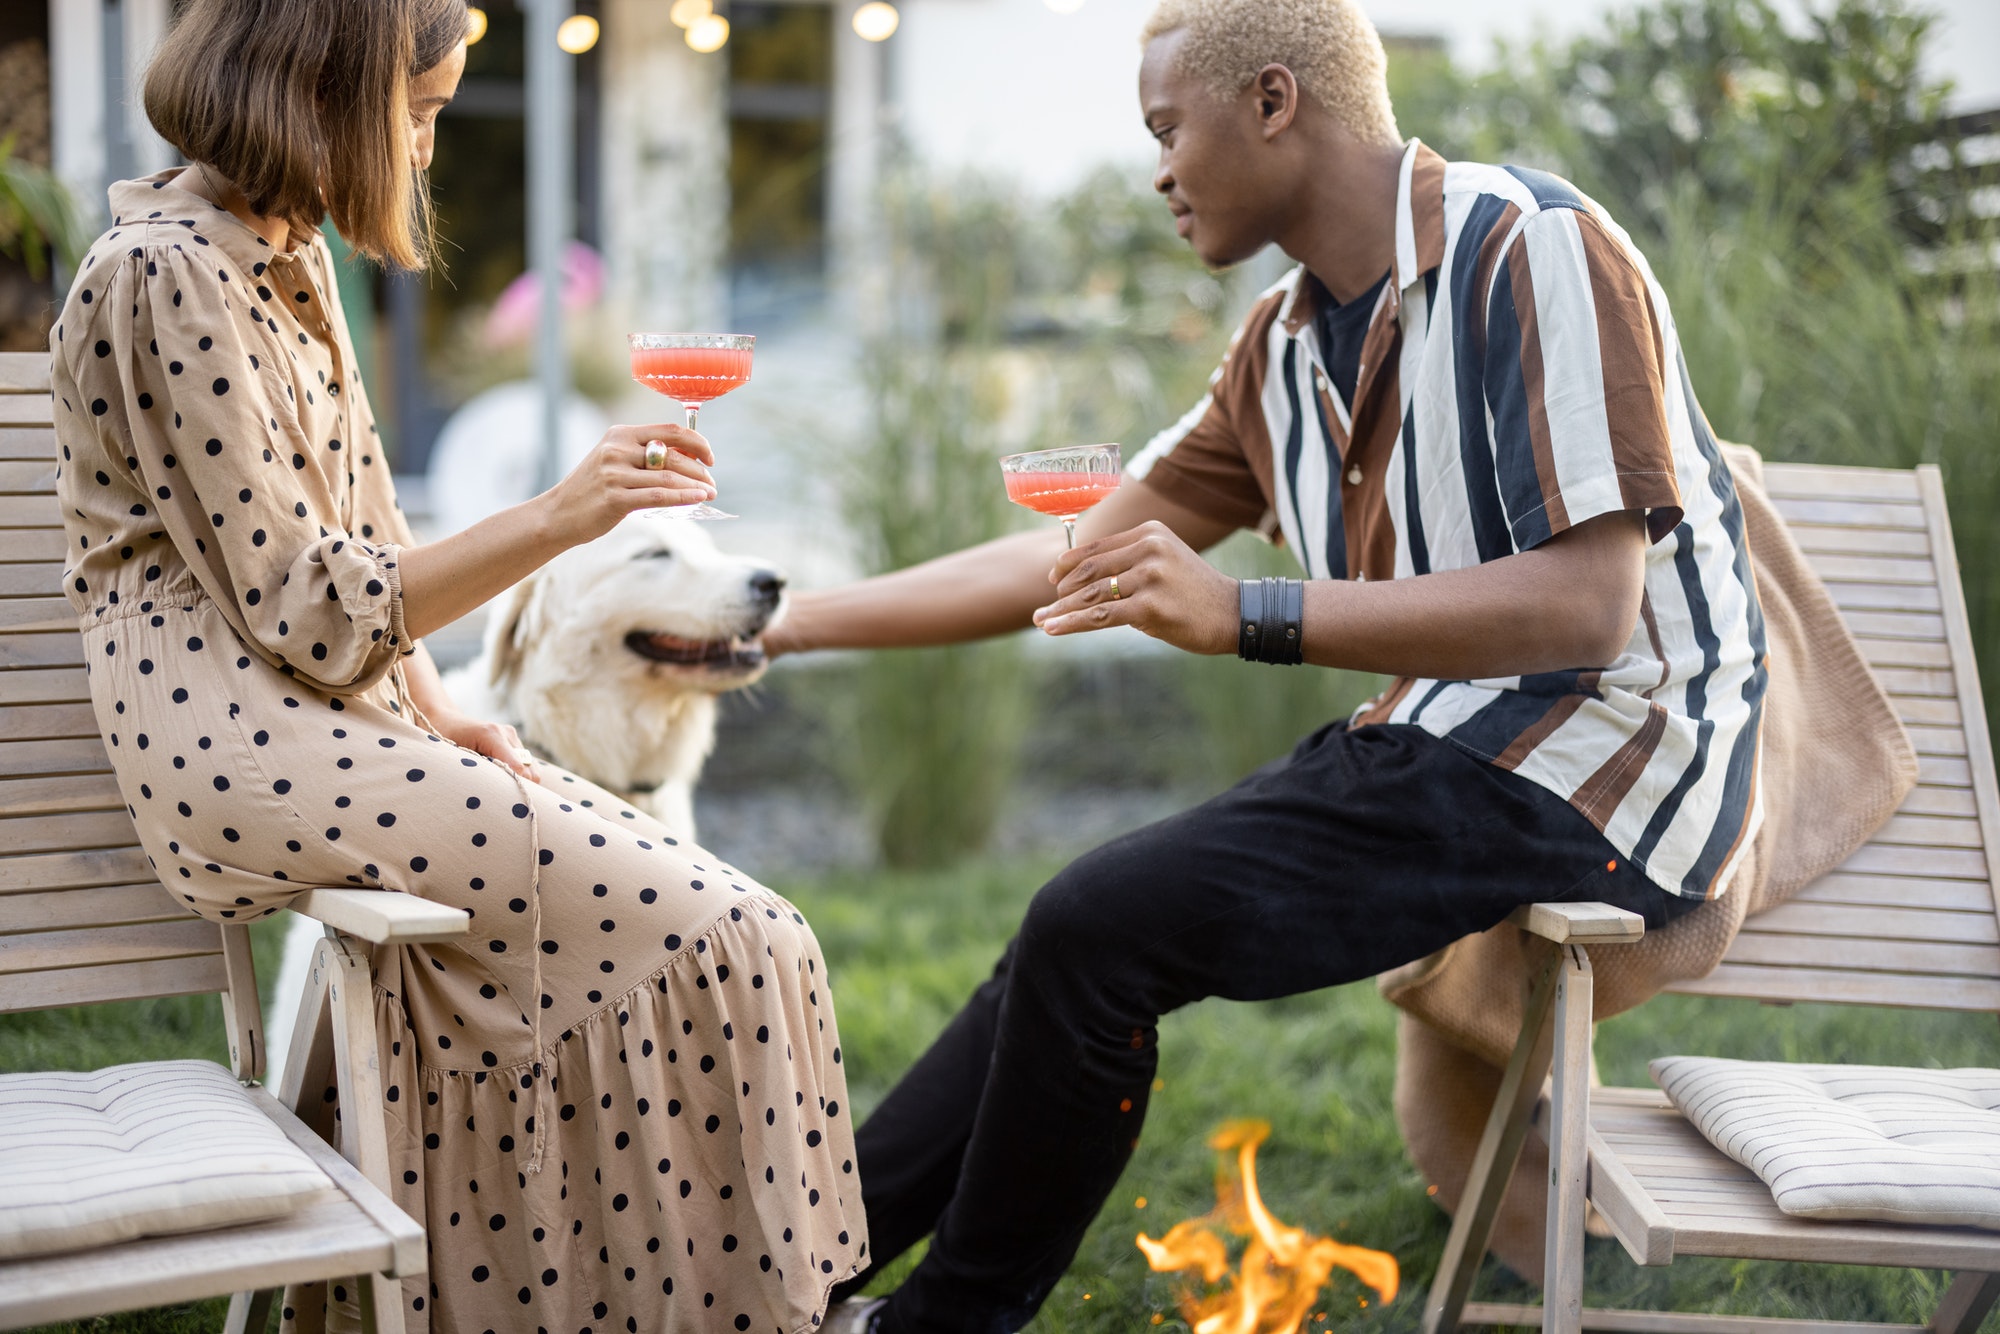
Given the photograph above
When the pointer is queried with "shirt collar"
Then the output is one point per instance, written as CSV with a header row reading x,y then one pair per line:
x,y
1419,238
155,199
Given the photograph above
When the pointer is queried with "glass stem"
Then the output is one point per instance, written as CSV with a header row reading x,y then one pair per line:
x,y
693,411
1069,533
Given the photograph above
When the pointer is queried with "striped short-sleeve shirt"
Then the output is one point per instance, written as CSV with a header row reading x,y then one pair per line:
x,y
1520,375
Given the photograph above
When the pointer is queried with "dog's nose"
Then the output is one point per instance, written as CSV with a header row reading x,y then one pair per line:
x,y
766,586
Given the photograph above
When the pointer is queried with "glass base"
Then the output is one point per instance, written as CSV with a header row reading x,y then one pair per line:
x,y
704,510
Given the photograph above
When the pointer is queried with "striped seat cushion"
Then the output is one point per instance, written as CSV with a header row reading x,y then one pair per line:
x,y
1873,1142
138,1150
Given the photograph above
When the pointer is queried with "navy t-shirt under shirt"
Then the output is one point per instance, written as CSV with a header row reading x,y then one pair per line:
x,y
1342,330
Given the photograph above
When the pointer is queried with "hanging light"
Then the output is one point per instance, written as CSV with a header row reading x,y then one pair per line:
x,y
475,26
876,21
687,13
708,33
1064,6
577,34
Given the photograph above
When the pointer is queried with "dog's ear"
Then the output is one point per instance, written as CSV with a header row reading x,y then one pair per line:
x,y
513,625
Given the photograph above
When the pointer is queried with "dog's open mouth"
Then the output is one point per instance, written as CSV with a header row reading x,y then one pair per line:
x,y
712,654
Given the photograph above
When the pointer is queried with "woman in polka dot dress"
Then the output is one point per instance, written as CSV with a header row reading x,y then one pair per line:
x,y
619,1104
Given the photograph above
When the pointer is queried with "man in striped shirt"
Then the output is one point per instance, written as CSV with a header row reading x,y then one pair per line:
x,y
1467,415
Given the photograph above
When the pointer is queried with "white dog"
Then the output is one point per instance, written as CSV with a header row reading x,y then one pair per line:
x,y
608,659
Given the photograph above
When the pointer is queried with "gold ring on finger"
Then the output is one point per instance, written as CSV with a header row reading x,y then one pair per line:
x,y
1116,596
656,455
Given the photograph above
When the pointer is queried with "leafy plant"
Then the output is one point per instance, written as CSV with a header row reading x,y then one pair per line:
x,y
935,734
37,216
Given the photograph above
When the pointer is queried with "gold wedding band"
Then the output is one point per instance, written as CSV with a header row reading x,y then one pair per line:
x,y
1116,596
656,455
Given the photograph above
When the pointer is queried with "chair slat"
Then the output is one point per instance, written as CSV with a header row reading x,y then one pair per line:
x,y
1813,918
1927,800
1944,771
1865,542
40,951
26,511
185,976
35,722
1895,891
33,544
74,755
27,476
1914,991
93,866
24,373
44,614
64,649
1873,569
1948,863
45,686
1930,682
27,442
26,410
1929,831
1923,957
1882,597
1902,652
103,905
1928,712
31,579
1938,740
60,833
70,792
1918,625
1833,481
1850,513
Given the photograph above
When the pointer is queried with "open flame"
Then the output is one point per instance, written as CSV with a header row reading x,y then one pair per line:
x,y
1283,1268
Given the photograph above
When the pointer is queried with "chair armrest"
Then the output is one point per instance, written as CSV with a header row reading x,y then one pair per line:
x,y
381,916
1582,923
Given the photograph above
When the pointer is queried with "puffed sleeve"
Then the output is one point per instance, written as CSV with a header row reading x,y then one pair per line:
x,y
214,442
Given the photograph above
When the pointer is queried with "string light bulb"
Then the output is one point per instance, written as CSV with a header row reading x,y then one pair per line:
x,y
577,34
708,33
475,26
1064,6
687,13
876,21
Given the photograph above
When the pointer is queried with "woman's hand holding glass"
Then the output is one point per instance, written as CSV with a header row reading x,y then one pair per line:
x,y
613,480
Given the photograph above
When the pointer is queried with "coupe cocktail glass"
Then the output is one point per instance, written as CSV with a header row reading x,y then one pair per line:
x,y
691,369
1062,483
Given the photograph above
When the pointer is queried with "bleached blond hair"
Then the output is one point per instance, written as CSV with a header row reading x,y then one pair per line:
x,y
1330,47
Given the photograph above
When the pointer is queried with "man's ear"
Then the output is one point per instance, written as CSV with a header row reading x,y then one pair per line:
x,y
1277,90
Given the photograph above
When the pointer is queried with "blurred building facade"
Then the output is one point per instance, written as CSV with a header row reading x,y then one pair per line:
x,y
729,188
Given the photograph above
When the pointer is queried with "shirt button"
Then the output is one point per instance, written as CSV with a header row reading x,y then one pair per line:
x,y
1360,577
1320,380
1354,477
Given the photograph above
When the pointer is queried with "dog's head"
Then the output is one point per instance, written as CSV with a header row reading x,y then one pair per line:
x,y
652,604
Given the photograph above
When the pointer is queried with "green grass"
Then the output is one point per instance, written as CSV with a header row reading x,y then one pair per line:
x,y
903,951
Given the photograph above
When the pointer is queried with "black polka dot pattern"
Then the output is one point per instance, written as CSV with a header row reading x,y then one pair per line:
x,y
237,583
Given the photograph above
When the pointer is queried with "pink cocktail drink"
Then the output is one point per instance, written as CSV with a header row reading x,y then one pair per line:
x,y
691,374
1060,495
692,369
1062,483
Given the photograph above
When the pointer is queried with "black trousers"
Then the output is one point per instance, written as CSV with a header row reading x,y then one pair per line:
x,y
1363,850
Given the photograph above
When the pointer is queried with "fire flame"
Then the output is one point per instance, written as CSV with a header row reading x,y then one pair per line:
x,y
1283,1268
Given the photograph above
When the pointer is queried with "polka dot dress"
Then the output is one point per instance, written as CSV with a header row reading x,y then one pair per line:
x,y
619,1105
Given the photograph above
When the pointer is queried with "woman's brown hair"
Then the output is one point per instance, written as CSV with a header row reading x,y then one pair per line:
x,y
304,106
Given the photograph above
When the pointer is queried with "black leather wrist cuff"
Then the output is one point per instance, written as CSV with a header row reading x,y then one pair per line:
x,y
1272,613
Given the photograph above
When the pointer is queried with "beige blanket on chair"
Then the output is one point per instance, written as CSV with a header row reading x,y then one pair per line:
x,y
1835,764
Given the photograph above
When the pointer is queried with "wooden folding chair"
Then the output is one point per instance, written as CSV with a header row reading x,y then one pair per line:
x,y
1908,921
83,920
